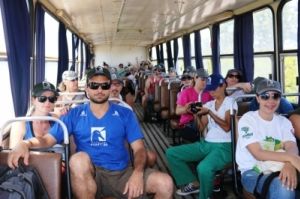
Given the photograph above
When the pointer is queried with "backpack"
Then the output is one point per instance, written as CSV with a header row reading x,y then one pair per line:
x,y
23,182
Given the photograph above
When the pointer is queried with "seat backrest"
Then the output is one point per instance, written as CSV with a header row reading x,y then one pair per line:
x,y
164,95
174,90
49,167
157,92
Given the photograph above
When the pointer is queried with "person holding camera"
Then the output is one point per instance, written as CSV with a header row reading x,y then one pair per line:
x,y
187,97
213,152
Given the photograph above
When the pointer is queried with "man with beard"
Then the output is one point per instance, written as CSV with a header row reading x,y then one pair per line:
x,y
101,167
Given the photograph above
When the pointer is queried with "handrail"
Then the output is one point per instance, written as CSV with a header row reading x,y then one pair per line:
x,y
33,118
63,102
72,93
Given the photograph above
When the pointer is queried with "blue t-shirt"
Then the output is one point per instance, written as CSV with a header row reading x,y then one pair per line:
x,y
28,132
104,139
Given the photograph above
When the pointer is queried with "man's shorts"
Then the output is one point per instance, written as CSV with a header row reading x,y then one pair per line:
x,y
112,183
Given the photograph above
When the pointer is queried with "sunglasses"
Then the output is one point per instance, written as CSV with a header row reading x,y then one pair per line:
x,y
95,85
232,76
186,78
51,99
266,96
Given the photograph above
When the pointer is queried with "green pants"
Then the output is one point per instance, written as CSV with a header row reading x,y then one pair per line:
x,y
211,157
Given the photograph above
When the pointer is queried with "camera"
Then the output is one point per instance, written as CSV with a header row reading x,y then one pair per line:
x,y
194,107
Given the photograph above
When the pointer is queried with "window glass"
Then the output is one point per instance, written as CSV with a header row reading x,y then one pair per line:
x,y
205,42
226,37
69,42
207,64
263,30
192,39
290,68
263,65
51,48
153,49
180,47
289,25
6,105
226,64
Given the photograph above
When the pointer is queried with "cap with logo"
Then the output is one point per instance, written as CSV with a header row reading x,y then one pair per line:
x,y
98,71
39,88
69,75
268,85
214,81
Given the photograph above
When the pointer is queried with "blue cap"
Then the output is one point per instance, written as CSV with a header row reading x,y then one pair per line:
x,y
214,81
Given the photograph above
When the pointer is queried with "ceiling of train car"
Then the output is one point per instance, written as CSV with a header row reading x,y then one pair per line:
x,y
138,22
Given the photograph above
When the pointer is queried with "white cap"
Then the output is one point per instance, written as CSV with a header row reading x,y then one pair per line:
x,y
69,75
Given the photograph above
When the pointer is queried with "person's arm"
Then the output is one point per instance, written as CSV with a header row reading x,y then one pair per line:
x,y
245,86
295,119
135,184
147,86
224,124
183,109
264,155
17,133
21,150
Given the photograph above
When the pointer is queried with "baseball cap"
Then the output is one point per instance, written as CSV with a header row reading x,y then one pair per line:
x,y
98,71
116,77
39,88
256,82
69,75
201,72
214,81
268,85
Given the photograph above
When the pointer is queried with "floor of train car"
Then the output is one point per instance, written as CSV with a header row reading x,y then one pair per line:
x,y
157,140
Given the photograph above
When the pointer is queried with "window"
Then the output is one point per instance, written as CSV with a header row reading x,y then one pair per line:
x,y
288,53
205,42
263,43
226,46
51,48
6,105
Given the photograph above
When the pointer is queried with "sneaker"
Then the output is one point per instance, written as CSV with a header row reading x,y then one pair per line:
x,y
217,184
187,190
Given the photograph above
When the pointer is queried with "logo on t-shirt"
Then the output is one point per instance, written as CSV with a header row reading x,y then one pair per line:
x,y
245,132
116,113
98,136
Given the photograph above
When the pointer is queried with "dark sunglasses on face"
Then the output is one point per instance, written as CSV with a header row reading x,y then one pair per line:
x,y
266,96
186,78
233,75
51,99
95,85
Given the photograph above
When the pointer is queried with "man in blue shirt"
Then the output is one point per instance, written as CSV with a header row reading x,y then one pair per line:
x,y
101,166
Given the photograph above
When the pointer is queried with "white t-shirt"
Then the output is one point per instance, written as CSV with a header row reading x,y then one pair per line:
x,y
215,132
270,134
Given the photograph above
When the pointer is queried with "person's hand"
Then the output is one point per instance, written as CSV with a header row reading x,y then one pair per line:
x,y
247,87
187,107
288,176
135,185
21,150
202,111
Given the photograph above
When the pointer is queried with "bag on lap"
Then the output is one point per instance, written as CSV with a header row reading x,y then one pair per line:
x,y
21,183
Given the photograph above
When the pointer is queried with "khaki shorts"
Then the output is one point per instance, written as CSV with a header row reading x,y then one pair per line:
x,y
112,183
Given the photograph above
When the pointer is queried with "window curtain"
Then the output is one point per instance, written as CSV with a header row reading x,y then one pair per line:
x,y
17,32
75,44
175,52
150,53
198,51
243,45
161,53
82,58
40,44
157,54
63,56
169,53
298,51
186,42
88,56
216,48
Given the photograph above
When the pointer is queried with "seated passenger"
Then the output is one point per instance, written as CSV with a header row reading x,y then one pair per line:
x,y
260,134
101,167
284,105
188,96
235,85
44,96
68,86
213,152
115,90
